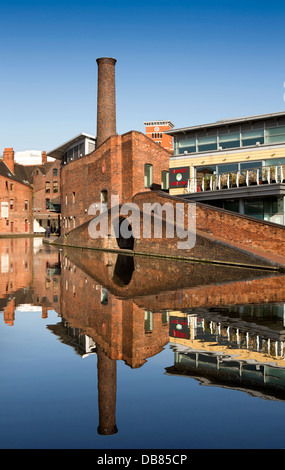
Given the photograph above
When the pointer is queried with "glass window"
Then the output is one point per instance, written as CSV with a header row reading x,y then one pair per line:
x,y
104,195
147,175
55,172
206,170
26,205
104,296
164,179
148,321
55,187
252,137
227,168
275,161
275,134
254,208
232,205
277,205
82,149
247,165
186,145
207,143
47,186
11,203
229,140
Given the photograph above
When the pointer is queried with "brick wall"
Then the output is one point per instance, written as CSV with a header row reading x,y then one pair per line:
x,y
40,193
19,213
117,166
227,226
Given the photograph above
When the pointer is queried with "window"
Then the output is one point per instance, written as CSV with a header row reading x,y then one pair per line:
x,y
47,186
207,143
11,204
66,199
164,179
73,197
254,208
47,203
104,195
11,186
55,172
252,137
104,296
147,175
7,222
186,145
55,187
4,209
227,168
26,205
275,134
227,141
148,321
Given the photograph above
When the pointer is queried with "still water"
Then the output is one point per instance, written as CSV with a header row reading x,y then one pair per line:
x,y
100,351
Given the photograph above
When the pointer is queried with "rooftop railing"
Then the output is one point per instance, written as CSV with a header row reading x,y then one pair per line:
x,y
237,179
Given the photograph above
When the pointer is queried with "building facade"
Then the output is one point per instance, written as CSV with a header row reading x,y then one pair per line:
x,y
46,196
15,196
236,164
155,130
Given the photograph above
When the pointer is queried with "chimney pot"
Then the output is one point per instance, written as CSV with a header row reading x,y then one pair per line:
x,y
44,157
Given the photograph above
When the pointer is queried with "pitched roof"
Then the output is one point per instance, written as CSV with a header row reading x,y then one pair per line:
x,y
20,176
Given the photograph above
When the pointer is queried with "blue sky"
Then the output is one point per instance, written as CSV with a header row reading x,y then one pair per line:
x,y
191,62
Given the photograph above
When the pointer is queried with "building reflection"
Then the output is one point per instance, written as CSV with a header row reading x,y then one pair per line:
x,y
236,347
29,273
224,325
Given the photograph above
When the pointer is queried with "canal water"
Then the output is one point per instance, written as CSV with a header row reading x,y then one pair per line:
x,y
104,351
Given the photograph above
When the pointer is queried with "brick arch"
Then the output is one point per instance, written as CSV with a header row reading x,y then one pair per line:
x,y
122,241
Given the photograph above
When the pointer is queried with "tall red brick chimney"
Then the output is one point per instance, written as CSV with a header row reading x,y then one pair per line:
x,y
8,158
44,157
106,99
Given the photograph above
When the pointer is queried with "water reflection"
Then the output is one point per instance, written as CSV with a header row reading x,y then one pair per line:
x,y
225,325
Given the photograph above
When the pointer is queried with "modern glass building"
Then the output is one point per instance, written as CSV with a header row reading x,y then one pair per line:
x,y
237,164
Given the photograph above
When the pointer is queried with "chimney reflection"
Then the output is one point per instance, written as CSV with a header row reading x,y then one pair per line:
x,y
107,389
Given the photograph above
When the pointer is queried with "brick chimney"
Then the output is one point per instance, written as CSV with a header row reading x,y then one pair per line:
x,y
8,158
106,99
44,157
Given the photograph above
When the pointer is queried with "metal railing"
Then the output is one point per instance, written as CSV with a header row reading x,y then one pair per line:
x,y
236,179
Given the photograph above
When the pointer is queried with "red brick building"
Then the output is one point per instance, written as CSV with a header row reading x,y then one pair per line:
x,y
46,195
15,196
121,165
155,130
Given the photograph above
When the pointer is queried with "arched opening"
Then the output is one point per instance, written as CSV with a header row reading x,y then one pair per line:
x,y
124,269
124,234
